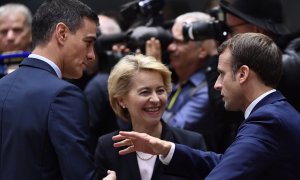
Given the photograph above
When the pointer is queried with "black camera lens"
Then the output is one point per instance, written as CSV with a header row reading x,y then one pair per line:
x,y
198,31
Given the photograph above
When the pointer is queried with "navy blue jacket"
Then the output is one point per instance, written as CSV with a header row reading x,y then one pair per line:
x,y
43,126
267,146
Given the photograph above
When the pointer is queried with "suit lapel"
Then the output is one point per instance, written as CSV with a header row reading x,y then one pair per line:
x,y
132,163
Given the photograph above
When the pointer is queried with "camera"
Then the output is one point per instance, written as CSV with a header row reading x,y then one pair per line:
x,y
143,12
216,29
197,31
135,38
145,21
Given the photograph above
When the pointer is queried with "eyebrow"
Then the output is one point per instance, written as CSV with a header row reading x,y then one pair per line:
x,y
88,38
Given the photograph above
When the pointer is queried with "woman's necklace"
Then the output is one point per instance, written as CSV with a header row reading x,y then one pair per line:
x,y
144,156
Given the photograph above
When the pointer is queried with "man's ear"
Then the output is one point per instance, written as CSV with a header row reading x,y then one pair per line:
x,y
243,73
61,33
202,53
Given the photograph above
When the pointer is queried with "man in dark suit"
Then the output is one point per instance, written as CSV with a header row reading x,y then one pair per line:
x,y
44,119
267,144
267,17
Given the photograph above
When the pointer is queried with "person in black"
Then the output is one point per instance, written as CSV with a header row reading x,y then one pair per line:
x,y
267,17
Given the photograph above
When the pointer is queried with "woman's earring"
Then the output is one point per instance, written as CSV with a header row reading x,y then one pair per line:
x,y
122,106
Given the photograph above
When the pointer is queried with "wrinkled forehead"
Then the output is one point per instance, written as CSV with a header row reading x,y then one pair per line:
x,y
11,20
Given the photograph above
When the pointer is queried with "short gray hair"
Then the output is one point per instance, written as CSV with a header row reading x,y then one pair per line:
x,y
16,8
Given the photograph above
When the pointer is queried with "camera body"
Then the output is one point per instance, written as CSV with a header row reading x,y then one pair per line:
x,y
135,38
215,29
145,21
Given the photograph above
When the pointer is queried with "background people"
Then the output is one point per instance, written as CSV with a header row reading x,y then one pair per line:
x,y
15,35
267,17
138,87
188,105
102,118
44,119
15,28
266,145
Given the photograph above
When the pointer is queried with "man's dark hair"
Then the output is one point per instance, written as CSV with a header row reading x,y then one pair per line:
x,y
51,12
259,53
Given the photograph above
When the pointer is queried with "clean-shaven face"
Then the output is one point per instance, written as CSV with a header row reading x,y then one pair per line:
x,y
79,50
228,83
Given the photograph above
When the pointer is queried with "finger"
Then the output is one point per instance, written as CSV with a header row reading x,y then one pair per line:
x,y
118,137
126,142
130,134
128,150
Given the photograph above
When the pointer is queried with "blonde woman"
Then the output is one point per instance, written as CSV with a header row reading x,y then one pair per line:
x,y
138,87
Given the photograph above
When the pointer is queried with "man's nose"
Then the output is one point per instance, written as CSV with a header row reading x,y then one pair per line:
x,y
91,55
10,35
218,84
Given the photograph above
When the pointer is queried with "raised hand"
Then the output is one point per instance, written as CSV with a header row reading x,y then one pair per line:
x,y
153,48
143,142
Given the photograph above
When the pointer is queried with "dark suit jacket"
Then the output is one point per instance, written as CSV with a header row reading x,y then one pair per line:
x,y
102,118
126,166
267,146
43,126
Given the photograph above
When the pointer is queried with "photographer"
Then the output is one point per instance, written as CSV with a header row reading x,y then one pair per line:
x,y
188,104
267,17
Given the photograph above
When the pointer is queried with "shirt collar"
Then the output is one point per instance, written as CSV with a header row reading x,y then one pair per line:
x,y
51,63
252,105
198,77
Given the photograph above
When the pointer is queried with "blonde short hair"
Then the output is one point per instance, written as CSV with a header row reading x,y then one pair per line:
x,y
119,81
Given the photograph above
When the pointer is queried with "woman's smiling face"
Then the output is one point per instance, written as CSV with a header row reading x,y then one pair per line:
x,y
146,99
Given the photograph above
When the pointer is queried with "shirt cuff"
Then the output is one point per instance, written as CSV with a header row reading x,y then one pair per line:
x,y
167,159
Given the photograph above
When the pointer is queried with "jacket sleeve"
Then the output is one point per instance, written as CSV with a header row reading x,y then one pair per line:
x,y
254,149
68,131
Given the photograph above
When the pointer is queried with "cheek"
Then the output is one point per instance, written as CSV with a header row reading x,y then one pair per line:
x,y
163,99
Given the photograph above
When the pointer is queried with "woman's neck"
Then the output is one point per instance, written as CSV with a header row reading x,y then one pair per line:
x,y
152,130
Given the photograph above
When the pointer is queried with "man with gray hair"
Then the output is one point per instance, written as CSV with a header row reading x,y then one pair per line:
x,y
188,106
15,27
15,36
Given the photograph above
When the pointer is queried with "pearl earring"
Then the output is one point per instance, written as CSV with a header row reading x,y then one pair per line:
x,y
122,106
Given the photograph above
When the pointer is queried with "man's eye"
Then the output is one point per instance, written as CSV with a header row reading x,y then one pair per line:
x,y
17,30
3,32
